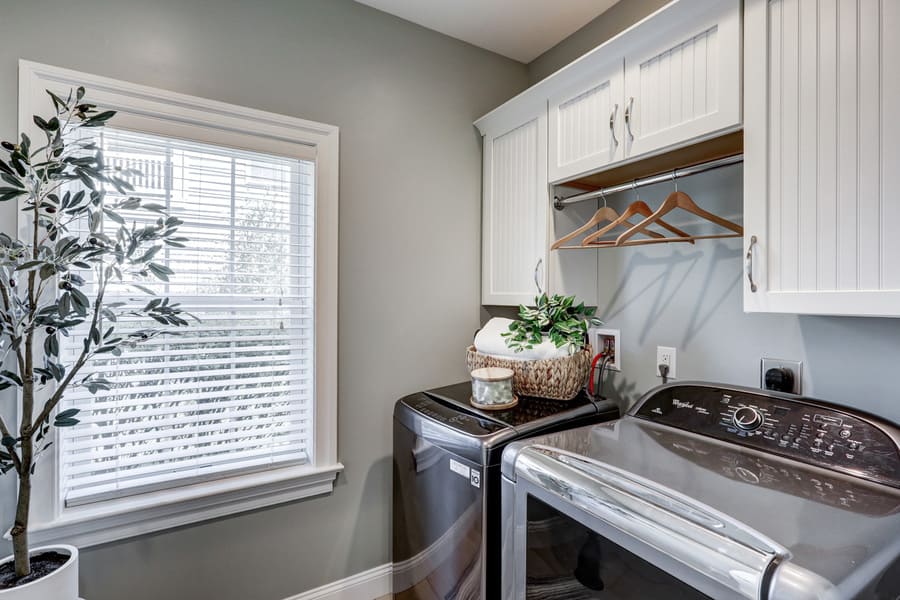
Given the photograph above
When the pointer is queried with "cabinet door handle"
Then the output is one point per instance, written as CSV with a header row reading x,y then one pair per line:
x,y
628,115
537,282
748,264
612,126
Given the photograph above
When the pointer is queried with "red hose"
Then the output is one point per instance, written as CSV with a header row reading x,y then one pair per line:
x,y
594,362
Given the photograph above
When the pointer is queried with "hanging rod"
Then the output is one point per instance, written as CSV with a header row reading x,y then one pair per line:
x,y
561,203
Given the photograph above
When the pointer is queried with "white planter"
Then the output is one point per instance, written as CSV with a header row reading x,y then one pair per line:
x,y
61,584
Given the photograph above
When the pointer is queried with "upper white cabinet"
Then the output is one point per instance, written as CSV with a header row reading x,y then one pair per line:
x,y
515,205
585,121
683,76
822,157
672,79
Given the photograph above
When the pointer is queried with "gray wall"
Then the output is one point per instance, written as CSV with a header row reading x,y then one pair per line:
x,y
618,18
690,296
404,98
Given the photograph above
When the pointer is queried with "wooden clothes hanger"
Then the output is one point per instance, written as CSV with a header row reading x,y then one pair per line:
x,y
605,213
638,207
679,200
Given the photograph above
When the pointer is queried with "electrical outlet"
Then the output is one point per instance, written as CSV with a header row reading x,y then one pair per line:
x,y
607,342
790,377
665,355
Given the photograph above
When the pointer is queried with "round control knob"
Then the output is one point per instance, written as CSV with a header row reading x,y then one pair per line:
x,y
747,418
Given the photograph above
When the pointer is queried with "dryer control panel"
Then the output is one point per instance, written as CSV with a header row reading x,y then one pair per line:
x,y
803,429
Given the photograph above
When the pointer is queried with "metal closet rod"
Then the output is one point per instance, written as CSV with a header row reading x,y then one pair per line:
x,y
561,203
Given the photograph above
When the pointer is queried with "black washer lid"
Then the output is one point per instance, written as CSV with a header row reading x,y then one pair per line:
x,y
530,415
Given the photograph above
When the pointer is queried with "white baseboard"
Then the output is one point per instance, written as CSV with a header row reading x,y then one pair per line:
x,y
367,585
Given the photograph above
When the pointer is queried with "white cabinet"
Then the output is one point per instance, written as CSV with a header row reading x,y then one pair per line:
x,y
683,76
672,79
585,123
515,205
822,157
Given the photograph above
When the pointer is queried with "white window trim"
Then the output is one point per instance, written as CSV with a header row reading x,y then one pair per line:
x,y
99,523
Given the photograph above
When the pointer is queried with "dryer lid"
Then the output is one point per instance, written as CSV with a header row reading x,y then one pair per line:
x,y
836,529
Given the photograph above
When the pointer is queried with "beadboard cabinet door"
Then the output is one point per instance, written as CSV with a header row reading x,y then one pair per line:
x,y
585,122
683,76
822,157
515,205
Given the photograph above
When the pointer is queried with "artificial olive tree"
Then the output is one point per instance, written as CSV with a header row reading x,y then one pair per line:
x,y
53,281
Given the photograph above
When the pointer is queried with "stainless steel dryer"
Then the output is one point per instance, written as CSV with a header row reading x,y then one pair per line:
x,y
707,491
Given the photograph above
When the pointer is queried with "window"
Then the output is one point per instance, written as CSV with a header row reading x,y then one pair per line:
x,y
233,391
238,410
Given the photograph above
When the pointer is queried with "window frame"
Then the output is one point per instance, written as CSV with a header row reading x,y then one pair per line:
x,y
227,125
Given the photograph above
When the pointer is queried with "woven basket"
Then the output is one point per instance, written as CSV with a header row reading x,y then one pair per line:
x,y
554,378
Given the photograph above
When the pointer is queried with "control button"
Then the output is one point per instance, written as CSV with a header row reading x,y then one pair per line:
x,y
785,437
845,433
831,447
817,441
747,418
821,434
798,440
854,445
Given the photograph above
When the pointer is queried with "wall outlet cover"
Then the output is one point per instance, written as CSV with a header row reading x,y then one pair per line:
x,y
794,366
665,355
597,336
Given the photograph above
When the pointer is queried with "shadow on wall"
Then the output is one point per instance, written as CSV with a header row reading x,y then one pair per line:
x,y
663,280
708,303
665,276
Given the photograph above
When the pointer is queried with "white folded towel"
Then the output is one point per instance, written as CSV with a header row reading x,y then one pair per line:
x,y
489,341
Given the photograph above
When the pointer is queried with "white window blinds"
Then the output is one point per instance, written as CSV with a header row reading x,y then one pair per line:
x,y
232,392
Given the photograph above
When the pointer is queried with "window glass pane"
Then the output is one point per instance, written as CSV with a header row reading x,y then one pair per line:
x,y
233,391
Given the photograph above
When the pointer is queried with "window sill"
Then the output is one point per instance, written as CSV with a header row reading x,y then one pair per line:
x,y
103,522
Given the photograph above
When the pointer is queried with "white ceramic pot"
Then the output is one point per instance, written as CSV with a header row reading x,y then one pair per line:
x,y
61,584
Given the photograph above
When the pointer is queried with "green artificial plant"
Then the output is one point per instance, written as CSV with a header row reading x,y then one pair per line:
x,y
53,279
557,318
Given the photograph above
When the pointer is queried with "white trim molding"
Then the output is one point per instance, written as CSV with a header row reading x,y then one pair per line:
x,y
368,585
169,113
138,515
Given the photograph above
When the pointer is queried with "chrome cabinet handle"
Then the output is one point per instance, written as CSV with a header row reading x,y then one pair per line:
x,y
748,264
612,126
628,114
537,282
